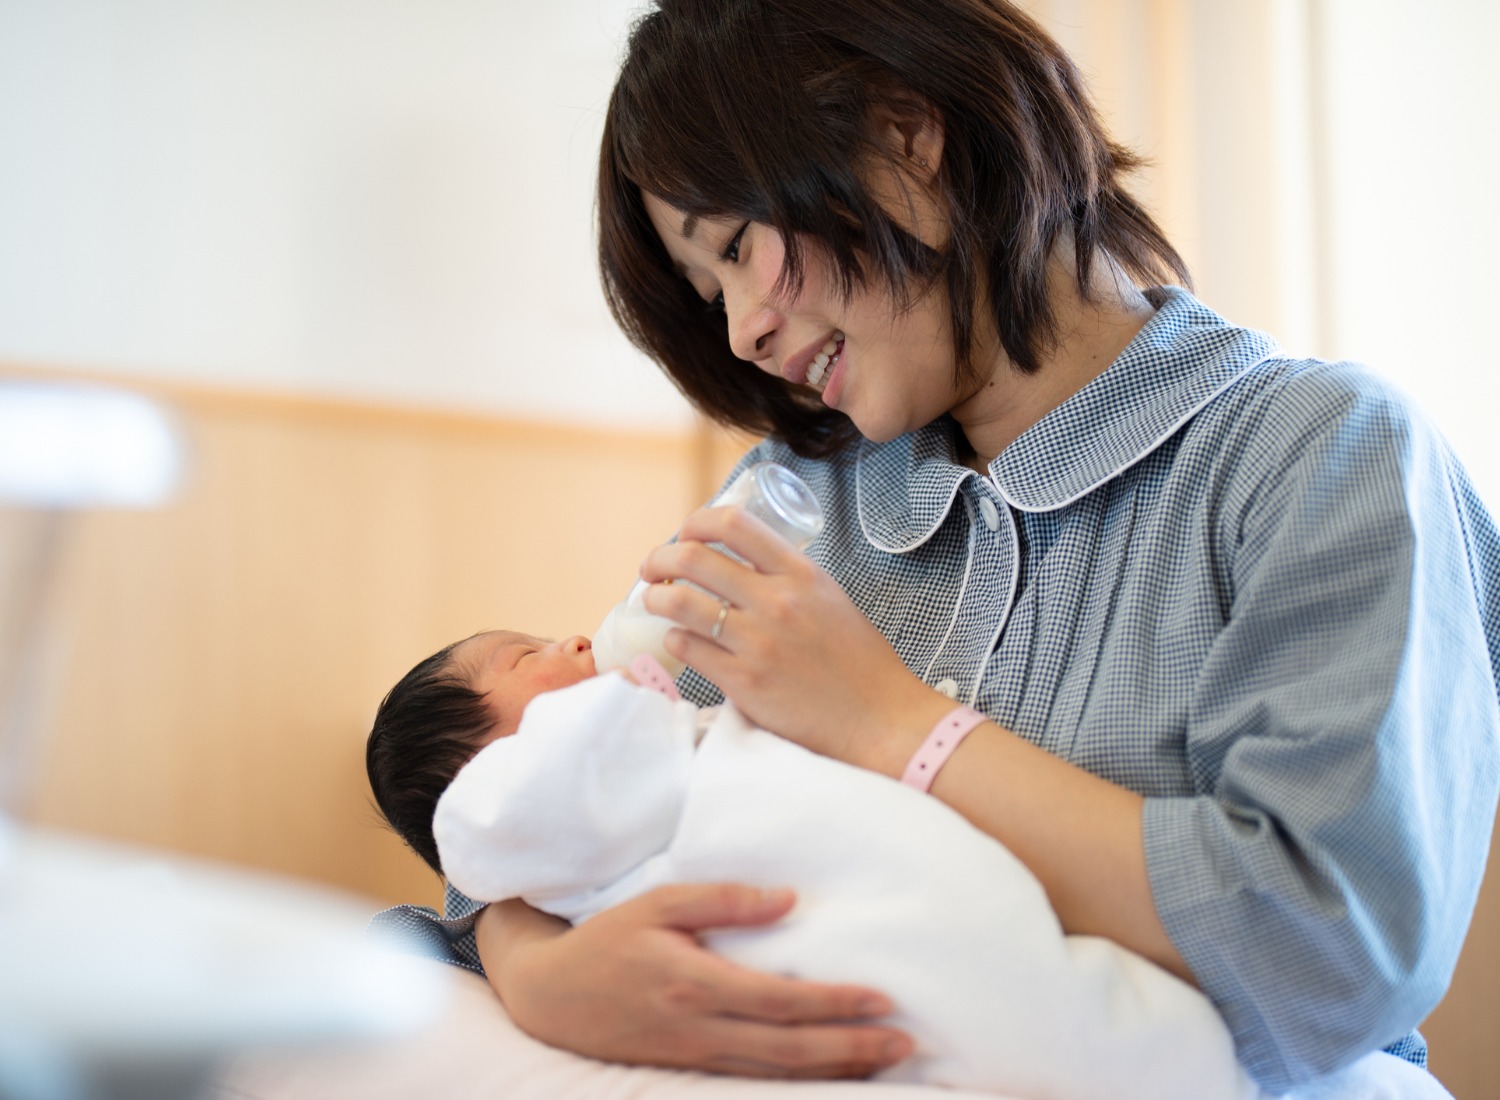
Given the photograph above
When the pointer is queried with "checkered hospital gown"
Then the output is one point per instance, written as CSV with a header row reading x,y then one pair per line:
x,y
1260,592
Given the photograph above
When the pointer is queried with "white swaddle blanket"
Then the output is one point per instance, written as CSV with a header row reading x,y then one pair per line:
x,y
609,789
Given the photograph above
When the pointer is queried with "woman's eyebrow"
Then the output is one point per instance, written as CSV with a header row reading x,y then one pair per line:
x,y
689,226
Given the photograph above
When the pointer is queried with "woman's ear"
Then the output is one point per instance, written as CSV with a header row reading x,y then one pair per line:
x,y
903,180
912,135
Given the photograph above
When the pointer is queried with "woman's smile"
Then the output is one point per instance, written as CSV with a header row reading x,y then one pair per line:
x,y
811,364
830,377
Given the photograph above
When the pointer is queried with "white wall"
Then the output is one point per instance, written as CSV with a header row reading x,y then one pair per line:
x,y
1412,231
392,198
385,198
1327,168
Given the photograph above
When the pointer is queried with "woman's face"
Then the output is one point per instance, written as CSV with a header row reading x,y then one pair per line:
x,y
889,372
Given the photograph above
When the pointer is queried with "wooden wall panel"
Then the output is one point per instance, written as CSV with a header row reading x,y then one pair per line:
x,y
1461,1031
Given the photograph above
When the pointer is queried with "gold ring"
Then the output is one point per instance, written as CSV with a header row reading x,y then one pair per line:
x,y
718,627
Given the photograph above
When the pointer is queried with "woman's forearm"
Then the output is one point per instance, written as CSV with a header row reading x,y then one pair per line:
x,y
1079,834
503,929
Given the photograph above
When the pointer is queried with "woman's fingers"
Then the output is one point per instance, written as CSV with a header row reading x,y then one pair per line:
x,y
759,585
749,994
772,999
745,534
695,555
700,907
764,1025
634,985
763,1050
783,641
696,608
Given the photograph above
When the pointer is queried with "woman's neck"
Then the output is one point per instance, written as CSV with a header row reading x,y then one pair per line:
x,y
1090,335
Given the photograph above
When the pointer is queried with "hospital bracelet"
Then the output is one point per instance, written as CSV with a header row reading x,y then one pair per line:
x,y
933,753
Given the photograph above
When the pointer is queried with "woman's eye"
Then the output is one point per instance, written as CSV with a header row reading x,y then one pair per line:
x,y
731,253
714,304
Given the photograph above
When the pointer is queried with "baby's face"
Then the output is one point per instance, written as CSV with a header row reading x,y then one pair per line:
x,y
512,669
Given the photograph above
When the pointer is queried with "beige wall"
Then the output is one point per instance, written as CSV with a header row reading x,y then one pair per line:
x,y
1462,1031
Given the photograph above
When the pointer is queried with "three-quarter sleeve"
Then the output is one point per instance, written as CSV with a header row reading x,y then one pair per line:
x,y
1321,887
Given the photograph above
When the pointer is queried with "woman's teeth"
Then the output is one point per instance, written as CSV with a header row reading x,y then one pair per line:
x,y
823,362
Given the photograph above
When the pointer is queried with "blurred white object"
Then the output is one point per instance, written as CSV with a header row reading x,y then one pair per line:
x,y
63,446
126,974
131,972
75,446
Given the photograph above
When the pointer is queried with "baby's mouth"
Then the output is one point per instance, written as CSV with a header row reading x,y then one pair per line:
x,y
824,361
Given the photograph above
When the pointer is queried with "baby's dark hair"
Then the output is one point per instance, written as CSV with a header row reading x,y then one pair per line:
x,y
426,729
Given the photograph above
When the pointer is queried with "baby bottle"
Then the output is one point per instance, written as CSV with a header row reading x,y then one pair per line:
x,y
766,490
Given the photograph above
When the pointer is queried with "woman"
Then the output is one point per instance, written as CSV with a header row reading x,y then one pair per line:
x,y
1232,617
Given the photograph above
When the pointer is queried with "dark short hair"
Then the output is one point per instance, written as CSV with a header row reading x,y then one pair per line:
x,y
764,109
426,728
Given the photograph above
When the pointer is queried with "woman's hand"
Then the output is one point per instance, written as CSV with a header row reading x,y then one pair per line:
x,y
634,985
793,652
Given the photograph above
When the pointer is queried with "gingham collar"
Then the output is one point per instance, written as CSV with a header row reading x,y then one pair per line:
x,y
1183,358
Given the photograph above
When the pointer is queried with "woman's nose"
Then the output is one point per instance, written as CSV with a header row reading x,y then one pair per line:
x,y
751,326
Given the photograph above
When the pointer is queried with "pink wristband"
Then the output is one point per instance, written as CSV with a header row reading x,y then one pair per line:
x,y
933,753
648,673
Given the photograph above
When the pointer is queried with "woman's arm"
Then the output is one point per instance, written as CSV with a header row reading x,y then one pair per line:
x,y
1342,728
633,985
1080,835
792,636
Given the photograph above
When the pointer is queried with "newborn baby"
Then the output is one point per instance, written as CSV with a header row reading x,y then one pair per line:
x,y
586,790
